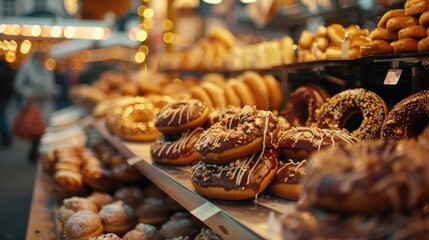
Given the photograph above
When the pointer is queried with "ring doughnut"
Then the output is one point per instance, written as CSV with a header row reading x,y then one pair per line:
x,y
367,178
298,143
336,113
257,86
238,136
243,92
275,91
240,179
287,182
216,94
408,118
136,122
178,151
231,96
199,93
303,103
182,115
218,113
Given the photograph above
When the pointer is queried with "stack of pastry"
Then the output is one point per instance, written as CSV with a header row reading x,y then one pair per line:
x,y
95,173
401,30
67,172
238,155
328,43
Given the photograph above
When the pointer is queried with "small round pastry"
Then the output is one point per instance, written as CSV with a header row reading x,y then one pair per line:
x,y
298,143
336,33
275,91
287,182
303,103
126,173
375,47
136,122
398,23
219,113
424,19
257,86
306,39
215,78
336,113
143,232
132,196
70,181
118,218
405,45
183,228
182,115
408,118
83,225
353,31
216,94
98,177
367,177
106,236
388,15
199,93
238,136
238,180
415,7
153,211
423,45
231,97
243,92
383,34
100,199
322,43
176,150
416,32
72,205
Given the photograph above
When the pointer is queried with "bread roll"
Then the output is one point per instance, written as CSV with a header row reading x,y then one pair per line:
x,y
336,33
337,53
358,41
353,30
423,45
388,15
424,19
375,47
405,45
322,43
321,31
417,32
306,39
416,7
383,34
397,23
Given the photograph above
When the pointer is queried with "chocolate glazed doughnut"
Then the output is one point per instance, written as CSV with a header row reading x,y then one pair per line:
x,y
176,152
288,180
367,177
336,113
303,102
407,118
240,179
238,136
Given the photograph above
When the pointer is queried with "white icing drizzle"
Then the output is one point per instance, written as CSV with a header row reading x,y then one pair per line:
x,y
176,110
175,146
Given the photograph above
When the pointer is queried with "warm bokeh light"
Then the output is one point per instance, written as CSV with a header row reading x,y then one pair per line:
x,y
97,33
140,10
148,13
247,1
167,25
141,35
15,30
144,49
86,55
69,32
55,31
25,47
10,57
213,1
13,45
36,30
147,23
140,57
169,37
2,28
50,64
5,45
71,6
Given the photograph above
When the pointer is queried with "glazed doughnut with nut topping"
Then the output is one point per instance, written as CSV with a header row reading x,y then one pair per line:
x,y
407,118
367,177
288,180
298,143
238,136
179,151
240,179
218,113
337,111
180,116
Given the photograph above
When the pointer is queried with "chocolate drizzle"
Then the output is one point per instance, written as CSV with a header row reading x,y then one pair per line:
x,y
180,112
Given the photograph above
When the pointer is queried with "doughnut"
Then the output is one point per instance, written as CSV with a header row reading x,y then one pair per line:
x,y
375,47
103,107
118,218
126,173
407,118
416,32
206,234
383,34
275,91
143,231
424,19
397,23
256,85
100,199
388,15
415,7
106,236
287,182
298,143
218,113
238,136
306,39
132,196
83,225
423,45
240,179
405,45
243,92
303,103
336,113
215,93
179,228
336,33
97,177
153,211
176,150
367,178
215,78
223,35
136,122
72,205
199,93
231,97
182,115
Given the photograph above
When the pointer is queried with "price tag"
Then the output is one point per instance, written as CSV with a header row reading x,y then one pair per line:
x,y
392,76
133,160
205,211
345,45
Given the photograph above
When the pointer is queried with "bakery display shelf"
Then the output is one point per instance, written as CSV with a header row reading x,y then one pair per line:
x,y
42,222
246,219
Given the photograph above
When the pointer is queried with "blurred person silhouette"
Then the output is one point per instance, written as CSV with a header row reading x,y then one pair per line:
x,y
7,76
62,80
36,83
